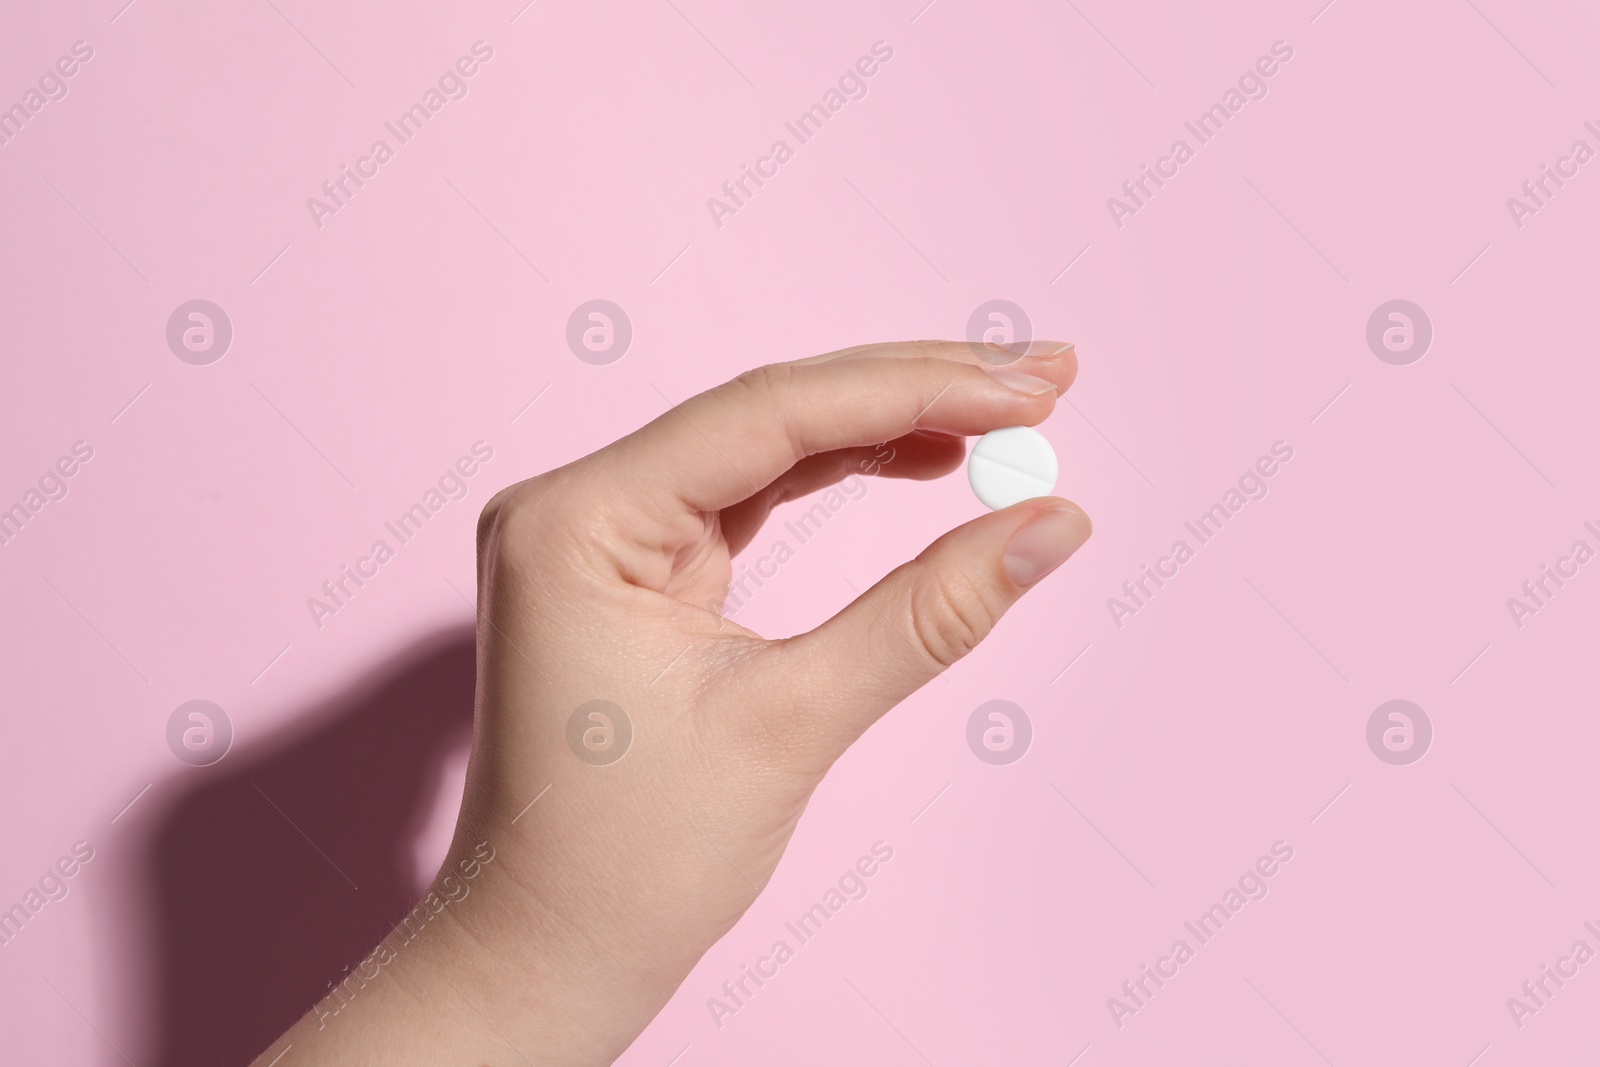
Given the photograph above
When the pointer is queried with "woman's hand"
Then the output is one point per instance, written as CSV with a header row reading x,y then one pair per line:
x,y
600,585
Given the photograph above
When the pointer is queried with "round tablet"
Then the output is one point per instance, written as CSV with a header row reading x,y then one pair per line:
x,y
1012,465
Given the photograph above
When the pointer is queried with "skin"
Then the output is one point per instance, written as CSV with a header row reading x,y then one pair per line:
x,y
556,932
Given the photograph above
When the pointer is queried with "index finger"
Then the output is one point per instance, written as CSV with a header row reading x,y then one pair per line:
x,y
717,448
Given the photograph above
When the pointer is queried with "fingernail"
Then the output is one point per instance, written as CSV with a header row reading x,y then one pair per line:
x,y
1047,348
1044,543
1026,384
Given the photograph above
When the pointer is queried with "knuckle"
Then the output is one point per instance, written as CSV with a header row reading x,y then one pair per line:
x,y
765,381
489,514
949,615
769,388
512,516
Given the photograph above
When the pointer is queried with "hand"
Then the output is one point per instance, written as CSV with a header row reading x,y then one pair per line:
x,y
600,581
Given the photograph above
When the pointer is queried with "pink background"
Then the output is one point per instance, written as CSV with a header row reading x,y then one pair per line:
x,y
1223,317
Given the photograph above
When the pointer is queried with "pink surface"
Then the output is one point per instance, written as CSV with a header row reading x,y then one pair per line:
x,y
1171,748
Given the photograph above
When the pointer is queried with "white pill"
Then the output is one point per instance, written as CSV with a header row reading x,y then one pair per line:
x,y
1012,465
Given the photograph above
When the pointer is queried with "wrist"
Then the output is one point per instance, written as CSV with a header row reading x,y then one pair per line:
x,y
461,977
541,979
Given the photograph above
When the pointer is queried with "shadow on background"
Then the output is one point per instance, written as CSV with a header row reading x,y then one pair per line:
x,y
293,860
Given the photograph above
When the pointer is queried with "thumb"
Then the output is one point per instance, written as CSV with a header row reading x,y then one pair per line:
x,y
928,613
